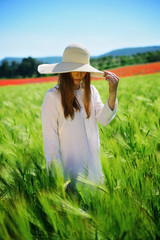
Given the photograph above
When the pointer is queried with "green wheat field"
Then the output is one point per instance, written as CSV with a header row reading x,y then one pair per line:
x,y
127,206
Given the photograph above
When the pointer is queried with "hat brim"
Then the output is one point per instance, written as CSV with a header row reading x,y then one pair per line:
x,y
64,67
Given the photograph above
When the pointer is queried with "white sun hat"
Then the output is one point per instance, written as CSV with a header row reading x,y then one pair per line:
x,y
76,58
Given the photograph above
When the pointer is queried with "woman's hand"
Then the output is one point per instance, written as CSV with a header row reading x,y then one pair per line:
x,y
113,84
113,81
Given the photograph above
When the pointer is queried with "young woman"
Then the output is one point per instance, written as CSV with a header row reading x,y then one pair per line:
x,y
70,112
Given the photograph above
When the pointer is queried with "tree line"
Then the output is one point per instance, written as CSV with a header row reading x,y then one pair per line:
x,y
108,62
28,66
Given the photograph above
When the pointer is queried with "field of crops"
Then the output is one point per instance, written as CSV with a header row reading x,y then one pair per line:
x,y
126,206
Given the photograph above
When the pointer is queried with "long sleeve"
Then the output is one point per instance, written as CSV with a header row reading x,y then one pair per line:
x,y
50,130
104,114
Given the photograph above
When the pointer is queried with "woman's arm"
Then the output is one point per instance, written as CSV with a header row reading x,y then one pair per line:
x,y
112,100
49,113
103,112
107,112
113,81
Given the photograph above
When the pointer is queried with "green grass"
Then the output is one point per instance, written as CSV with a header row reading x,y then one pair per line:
x,y
126,206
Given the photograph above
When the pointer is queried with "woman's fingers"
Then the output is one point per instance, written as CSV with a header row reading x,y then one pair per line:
x,y
112,80
110,73
107,73
111,76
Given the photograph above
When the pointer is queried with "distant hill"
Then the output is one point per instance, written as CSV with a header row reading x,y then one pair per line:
x,y
10,59
117,52
130,51
40,59
50,59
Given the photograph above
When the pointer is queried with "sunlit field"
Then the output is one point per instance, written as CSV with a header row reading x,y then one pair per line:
x,y
126,206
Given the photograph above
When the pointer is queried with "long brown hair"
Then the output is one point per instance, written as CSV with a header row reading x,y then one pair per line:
x,y
68,99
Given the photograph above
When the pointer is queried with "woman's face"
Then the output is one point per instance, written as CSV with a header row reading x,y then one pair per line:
x,y
77,77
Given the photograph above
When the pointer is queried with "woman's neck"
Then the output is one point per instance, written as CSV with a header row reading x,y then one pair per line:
x,y
76,87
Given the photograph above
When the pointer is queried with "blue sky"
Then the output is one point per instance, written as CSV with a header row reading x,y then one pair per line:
x,y
44,28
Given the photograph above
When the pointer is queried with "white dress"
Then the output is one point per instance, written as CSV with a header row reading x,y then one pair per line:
x,y
75,144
